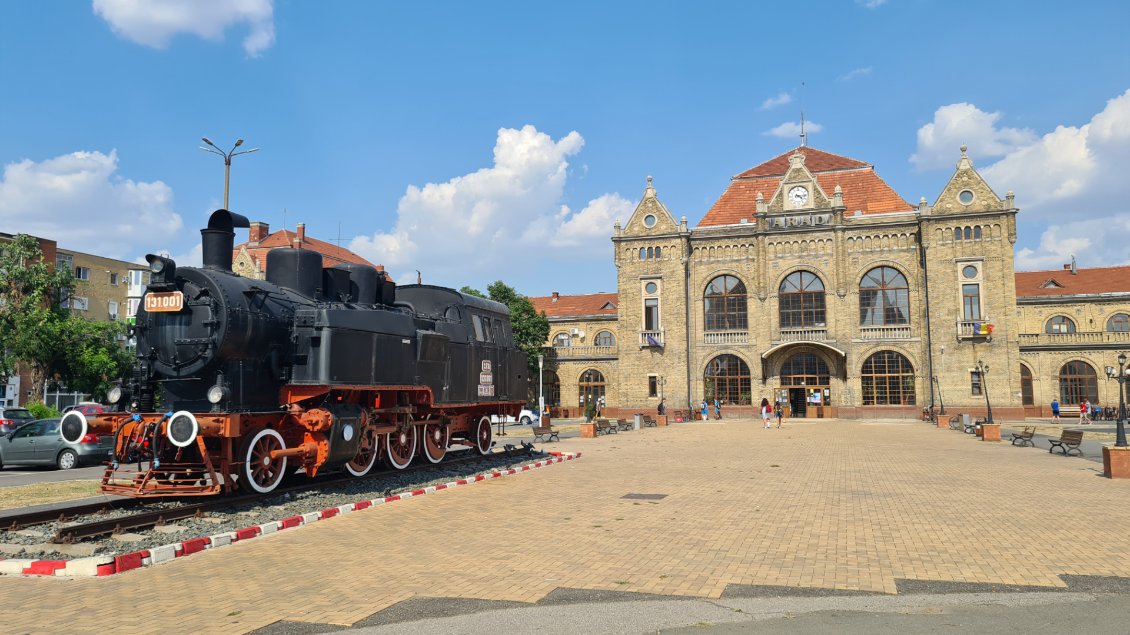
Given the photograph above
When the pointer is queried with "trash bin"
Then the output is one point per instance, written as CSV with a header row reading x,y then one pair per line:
x,y
638,420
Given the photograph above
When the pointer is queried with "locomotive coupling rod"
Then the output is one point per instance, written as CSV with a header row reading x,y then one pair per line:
x,y
310,449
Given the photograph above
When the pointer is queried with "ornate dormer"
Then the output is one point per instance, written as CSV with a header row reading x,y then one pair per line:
x,y
651,216
967,192
798,189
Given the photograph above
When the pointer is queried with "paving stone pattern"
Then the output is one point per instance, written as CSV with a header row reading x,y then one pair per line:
x,y
833,505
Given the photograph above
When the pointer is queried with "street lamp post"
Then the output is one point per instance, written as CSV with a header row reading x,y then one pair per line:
x,y
1122,376
982,370
541,387
227,160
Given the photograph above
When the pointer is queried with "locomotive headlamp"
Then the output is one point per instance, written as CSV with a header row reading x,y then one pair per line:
x,y
73,427
182,429
218,393
163,270
114,395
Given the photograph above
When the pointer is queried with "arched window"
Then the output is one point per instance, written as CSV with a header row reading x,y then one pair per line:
x,y
727,378
658,252
805,369
590,387
650,253
1119,323
643,253
968,233
605,338
724,305
1078,382
888,380
977,232
562,340
1060,324
884,298
957,233
551,384
802,301
1027,398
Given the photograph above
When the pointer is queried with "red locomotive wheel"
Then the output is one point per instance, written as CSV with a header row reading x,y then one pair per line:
x,y
259,472
401,447
368,446
436,439
483,436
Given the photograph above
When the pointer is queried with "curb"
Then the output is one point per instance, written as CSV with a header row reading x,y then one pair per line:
x,y
101,566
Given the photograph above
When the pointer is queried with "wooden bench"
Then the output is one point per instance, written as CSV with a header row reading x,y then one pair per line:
x,y
648,422
604,427
624,424
546,433
1068,440
1024,437
971,427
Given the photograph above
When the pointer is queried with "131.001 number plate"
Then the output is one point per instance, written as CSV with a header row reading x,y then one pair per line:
x,y
159,302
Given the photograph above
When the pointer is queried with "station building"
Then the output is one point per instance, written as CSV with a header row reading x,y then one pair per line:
x,y
812,283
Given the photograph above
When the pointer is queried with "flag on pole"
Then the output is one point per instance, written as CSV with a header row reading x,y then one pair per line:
x,y
651,341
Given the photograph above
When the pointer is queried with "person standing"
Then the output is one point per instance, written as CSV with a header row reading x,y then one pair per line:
x,y
1055,410
717,408
704,411
1083,412
765,412
780,414
662,409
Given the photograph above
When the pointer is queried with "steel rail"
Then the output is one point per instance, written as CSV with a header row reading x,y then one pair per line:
x,y
20,520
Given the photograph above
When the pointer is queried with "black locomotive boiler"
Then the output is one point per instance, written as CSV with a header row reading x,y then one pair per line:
x,y
239,382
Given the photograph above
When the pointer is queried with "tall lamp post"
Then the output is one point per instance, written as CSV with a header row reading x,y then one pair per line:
x,y
1123,376
541,387
227,160
982,370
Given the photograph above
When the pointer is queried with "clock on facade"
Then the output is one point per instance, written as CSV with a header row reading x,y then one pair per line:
x,y
798,195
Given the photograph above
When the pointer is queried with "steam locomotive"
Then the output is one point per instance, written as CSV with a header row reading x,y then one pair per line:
x,y
240,382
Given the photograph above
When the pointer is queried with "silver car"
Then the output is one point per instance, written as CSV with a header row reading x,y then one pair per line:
x,y
39,443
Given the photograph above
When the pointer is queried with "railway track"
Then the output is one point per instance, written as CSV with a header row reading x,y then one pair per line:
x,y
155,517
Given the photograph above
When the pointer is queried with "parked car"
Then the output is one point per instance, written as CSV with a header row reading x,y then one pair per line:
x,y
87,408
39,443
526,417
12,418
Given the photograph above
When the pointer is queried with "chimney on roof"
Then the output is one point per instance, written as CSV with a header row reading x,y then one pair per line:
x,y
1074,269
259,231
556,296
301,238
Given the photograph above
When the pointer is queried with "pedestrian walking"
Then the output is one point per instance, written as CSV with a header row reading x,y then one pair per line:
x,y
717,408
780,414
765,412
1055,410
705,411
662,409
1085,411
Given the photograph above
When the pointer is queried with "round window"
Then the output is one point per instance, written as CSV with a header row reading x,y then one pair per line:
x,y
651,287
965,196
969,271
649,220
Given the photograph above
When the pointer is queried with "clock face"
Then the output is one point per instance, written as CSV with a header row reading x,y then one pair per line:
x,y
798,195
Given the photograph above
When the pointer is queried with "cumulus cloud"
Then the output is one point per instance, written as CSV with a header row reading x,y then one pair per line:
x,y
779,100
78,200
792,129
958,124
856,73
473,225
154,22
1071,187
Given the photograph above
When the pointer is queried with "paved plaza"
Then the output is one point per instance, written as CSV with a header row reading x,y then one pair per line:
x,y
850,506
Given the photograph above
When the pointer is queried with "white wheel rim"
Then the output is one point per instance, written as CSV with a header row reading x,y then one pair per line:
x,y
484,424
372,459
280,471
409,437
67,461
435,432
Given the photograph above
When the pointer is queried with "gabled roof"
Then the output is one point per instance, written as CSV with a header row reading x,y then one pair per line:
x,y
576,305
331,254
863,189
1083,281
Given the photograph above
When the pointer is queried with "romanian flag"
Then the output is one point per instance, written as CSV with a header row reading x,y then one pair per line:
x,y
982,328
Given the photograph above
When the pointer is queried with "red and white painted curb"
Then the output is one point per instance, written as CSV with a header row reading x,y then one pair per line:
x,y
109,565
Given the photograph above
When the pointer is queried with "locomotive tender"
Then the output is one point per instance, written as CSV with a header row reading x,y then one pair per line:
x,y
239,382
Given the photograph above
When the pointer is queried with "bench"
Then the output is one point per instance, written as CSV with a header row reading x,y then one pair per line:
x,y
546,433
971,427
604,427
648,422
955,422
1068,440
624,424
1024,437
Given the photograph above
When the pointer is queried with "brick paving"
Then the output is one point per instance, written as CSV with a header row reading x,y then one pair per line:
x,y
831,505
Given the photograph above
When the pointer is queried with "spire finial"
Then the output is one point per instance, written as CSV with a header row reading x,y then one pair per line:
x,y
649,191
803,136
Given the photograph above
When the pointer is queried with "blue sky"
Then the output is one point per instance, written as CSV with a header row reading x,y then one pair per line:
x,y
484,141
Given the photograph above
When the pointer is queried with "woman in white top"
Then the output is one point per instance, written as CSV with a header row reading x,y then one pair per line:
x,y
765,412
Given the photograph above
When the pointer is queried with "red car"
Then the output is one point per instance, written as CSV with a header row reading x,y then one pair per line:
x,y
87,408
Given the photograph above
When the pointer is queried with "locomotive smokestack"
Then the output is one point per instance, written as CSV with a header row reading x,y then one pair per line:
x,y
218,239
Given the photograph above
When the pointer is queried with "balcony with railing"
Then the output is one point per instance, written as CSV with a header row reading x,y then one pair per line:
x,y
725,337
580,352
974,329
902,332
651,339
810,334
1093,338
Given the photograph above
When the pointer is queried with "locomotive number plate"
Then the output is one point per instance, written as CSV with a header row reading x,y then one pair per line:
x,y
159,302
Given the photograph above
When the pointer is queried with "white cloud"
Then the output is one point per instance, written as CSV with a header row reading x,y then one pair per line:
x,y
155,22
779,100
475,226
792,129
856,73
871,4
77,200
964,124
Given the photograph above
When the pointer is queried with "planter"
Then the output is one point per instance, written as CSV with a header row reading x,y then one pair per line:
x,y
990,432
1116,462
661,421
943,423
978,430
588,430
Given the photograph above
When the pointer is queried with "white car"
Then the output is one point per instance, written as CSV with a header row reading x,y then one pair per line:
x,y
526,417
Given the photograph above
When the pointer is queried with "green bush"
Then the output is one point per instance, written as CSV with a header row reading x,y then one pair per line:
x,y
42,411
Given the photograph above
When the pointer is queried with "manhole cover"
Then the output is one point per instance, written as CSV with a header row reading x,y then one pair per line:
x,y
645,497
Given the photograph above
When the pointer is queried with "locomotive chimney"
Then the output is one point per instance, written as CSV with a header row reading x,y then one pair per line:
x,y
218,239
259,231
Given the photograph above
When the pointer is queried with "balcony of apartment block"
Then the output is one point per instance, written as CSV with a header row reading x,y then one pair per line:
x,y
1077,340
565,353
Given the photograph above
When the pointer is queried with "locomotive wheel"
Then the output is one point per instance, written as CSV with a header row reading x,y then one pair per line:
x,y
401,447
483,436
368,446
259,472
436,440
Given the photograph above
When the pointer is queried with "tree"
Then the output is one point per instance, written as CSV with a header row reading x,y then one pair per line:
x,y
95,358
31,317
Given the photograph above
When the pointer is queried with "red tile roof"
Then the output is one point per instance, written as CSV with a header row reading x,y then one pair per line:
x,y
1084,281
863,189
331,254
576,305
